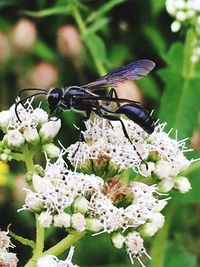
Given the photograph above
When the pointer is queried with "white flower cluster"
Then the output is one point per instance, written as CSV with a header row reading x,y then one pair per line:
x,y
57,190
186,12
53,261
33,128
6,258
108,151
93,205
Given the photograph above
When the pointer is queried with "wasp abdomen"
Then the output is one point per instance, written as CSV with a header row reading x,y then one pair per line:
x,y
139,115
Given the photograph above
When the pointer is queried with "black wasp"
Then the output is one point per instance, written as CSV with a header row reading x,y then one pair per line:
x,y
80,99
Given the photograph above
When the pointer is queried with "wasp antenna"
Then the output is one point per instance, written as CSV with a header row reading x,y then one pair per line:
x,y
24,99
33,89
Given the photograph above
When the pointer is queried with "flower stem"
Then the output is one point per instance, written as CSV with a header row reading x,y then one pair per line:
x,y
158,247
64,244
28,158
39,245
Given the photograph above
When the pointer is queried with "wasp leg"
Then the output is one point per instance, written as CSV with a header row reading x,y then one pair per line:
x,y
113,93
110,117
81,126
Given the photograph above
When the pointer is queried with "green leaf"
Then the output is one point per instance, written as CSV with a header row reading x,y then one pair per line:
x,y
98,25
155,37
43,51
24,241
54,11
180,102
149,87
157,6
8,3
177,256
103,9
96,46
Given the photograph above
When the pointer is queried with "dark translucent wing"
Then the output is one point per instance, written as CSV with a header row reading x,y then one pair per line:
x,y
131,71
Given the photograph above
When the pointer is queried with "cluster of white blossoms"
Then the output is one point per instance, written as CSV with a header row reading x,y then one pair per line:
x,y
186,12
6,258
53,261
32,127
92,197
84,202
107,152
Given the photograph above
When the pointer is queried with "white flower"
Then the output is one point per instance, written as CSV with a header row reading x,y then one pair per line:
x,y
175,26
5,118
150,228
182,184
49,130
31,135
134,247
93,224
53,261
8,259
14,139
40,116
81,204
118,240
32,201
62,220
78,222
45,219
52,150
41,185
166,185
4,241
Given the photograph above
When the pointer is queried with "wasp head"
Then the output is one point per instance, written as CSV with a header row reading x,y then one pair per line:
x,y
54,98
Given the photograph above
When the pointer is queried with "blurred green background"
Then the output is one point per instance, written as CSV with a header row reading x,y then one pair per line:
x,y
60,43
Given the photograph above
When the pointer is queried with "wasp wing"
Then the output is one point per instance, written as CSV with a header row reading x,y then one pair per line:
x,y
131,71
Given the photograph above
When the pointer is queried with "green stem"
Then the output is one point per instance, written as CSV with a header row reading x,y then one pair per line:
x,y
17,156
84,32
195,166
28,158
159,243
64,244
24,241
39,245
188,65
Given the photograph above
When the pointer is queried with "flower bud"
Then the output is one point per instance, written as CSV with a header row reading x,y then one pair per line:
x,y
118,240
49,130
78,222
182,184
43,75
147,171
31,135
32,202
14,139
45,219
68,41
162,169
93,225
81,205
166,185
5,118
175,26
41,185
157,221
52,150
24,35
62,220
40,116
